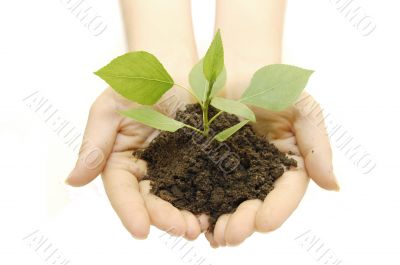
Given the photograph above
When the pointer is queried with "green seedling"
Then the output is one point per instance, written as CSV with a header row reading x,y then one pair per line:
x,y
140,77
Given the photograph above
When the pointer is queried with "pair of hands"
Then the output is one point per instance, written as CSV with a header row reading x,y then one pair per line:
x,y
110,139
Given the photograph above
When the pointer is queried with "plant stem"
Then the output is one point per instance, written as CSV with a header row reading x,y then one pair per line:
x,y
194,128
215,116
205,118
206,123
190,92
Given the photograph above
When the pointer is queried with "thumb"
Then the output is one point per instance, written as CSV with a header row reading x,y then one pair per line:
x,y
97,143
313,141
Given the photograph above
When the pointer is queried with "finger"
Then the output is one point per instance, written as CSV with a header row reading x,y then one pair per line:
x,y
286,145
219,229
313,142
162,213
242,222
283,199
203,220
210,238
98,140
192,225
136,139
122,190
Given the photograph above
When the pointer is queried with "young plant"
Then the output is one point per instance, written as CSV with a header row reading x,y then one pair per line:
x,y
140,77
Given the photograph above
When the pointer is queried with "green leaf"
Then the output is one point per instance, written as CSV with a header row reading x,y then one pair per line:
x,y
138,76
233,107
214,59
276,87
152,118
225,134
199,83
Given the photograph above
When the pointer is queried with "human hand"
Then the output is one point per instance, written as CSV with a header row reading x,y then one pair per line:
x,y
299,130
107,148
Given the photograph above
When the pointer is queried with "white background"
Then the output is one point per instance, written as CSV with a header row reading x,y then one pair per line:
x,y
45,48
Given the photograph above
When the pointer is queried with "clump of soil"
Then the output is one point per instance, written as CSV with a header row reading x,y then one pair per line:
x,y
203,176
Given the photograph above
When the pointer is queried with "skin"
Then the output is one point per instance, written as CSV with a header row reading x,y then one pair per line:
x,y
260,27
117,137
302,132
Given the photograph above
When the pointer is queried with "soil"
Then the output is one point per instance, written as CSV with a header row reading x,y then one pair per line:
x,y
202,175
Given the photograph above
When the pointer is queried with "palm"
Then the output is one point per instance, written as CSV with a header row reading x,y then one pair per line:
x,y
117,137
120,177
292,131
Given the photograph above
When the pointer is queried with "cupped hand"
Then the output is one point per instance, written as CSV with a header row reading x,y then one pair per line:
x,y
110,140
107,148
299,130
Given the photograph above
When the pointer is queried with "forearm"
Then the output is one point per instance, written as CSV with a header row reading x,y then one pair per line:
x,y
163,28
259,25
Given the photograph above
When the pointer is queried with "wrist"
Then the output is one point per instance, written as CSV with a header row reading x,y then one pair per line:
x,y
260,26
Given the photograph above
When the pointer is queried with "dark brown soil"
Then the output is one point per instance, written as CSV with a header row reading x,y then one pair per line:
x,y
204,176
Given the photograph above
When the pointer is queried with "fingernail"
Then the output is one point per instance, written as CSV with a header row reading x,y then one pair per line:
x,y
139,237
214,244
66,181
337,186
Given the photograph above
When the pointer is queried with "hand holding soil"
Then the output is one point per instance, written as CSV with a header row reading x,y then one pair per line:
x,y
289,132
188,184
294,132
118,137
